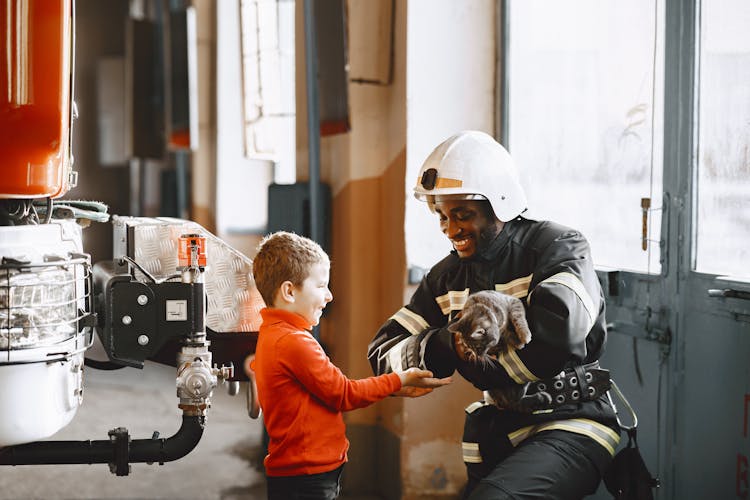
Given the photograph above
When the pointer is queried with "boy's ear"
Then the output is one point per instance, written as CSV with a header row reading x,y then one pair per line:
x,y
286,291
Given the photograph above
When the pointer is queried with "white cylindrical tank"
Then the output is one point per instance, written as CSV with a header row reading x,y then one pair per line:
x,y
44,282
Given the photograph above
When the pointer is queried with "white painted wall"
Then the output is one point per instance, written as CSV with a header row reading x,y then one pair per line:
x,y
450,87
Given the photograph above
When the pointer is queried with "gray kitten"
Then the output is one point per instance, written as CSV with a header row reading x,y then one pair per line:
x,y
492,323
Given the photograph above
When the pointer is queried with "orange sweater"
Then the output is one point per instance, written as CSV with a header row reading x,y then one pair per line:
x,y
302,395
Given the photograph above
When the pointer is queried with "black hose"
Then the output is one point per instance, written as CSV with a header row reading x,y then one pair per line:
x,y
172,448
108,451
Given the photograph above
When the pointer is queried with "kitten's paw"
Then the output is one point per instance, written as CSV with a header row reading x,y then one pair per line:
x,y
520,344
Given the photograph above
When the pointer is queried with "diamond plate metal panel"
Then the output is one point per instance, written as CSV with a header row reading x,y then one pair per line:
x,y
234,303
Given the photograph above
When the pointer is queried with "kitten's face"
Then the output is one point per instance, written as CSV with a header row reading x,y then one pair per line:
x,y
478,330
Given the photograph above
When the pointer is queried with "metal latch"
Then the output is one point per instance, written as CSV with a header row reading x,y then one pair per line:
x,y
729,293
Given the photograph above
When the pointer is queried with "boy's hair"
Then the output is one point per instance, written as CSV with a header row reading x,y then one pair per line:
x,y
281,257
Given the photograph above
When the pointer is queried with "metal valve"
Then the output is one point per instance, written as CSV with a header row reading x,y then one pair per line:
x,y
195,381
225,372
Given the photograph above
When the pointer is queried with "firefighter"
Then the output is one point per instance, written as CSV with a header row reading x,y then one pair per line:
x,y
559,449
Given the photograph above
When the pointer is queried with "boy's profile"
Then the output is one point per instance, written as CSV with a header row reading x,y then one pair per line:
x,y
301,392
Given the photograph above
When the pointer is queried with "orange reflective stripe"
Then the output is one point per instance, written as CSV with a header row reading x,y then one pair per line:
x,y
444,182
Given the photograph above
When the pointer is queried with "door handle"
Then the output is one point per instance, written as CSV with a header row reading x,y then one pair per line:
x,y
729,293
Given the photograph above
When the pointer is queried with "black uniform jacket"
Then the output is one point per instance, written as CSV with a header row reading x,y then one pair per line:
x,y
548,267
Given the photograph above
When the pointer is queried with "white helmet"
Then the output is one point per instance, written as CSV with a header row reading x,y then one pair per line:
x,y
472,165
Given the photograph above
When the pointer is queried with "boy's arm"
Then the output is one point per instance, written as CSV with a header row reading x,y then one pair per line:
x,y
305,360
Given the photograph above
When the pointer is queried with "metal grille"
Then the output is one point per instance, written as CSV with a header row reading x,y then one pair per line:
x,y
43,304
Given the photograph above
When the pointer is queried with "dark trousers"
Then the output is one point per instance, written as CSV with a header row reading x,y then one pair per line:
x,y
549,465
323,486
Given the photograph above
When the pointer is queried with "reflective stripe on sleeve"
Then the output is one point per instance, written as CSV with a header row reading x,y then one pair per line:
x,y
515,367
395,357
518,288
474,406
452,301
471,453
572,282
410,320
596,431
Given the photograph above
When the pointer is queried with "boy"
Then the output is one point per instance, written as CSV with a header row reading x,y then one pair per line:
x,y
301,392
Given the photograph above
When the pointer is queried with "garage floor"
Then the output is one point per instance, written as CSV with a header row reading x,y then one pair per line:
x,y
225,465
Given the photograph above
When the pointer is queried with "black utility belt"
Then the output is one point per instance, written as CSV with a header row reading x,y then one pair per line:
x,y
574,385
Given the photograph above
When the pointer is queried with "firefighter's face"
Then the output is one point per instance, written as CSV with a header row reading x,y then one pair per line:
x,y
470,225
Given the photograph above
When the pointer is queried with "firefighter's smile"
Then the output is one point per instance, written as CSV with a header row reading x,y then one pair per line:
x,y
462,245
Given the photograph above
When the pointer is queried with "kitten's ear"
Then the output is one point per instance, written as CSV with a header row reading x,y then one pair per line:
x,y
456,316
517,315
454,327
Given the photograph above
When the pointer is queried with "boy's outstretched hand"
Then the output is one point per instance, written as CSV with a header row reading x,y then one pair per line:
x,y
416,382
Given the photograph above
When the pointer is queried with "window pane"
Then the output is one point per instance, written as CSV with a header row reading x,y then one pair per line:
x,y
723,238
583,105
267,51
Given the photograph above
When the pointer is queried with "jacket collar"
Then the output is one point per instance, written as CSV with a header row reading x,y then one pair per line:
x,y
272,315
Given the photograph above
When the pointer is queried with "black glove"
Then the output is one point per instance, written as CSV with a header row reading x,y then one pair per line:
x,y
439,355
